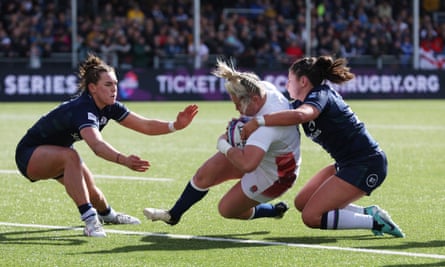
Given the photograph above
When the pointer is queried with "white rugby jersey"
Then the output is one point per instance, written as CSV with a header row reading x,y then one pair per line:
x,y
281,143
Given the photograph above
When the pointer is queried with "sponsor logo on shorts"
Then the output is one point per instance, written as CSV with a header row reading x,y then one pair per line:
x,y
371,180
253,188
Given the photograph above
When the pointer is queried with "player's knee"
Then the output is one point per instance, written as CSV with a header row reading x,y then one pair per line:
x,y
202,181
225,211
310,219
72,157
198,179
299,205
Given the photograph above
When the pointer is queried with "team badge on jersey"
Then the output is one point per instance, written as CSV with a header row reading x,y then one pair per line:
x,y
103,120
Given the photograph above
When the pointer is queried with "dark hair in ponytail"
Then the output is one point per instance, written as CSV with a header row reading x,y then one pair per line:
x,y
322,68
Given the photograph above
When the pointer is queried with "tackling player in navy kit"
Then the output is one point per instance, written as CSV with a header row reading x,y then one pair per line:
x,y
46,151
360,164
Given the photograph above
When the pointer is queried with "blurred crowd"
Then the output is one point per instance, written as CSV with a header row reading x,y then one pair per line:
x,y
133,33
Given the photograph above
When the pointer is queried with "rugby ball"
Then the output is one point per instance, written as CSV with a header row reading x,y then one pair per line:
x,y
234,129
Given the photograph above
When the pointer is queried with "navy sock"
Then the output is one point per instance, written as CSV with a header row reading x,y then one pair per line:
x,y
188,198
264,210
330,221
105,212
83,208
324,221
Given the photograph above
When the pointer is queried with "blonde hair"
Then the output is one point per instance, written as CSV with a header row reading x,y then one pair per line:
x,y
242,85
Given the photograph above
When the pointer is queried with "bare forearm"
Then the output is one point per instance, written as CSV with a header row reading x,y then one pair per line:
x,y
159,127
108,152
283,118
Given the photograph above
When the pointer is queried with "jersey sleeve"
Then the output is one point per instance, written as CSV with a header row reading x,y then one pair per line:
x,y
87,117
118,111
262,138
318,99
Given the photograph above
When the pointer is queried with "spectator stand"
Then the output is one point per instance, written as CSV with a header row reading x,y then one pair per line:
x,y
158,35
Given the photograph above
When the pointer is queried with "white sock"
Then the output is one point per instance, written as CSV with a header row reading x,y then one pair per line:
x,y
89,213
355,208
252,215
196,187
348,220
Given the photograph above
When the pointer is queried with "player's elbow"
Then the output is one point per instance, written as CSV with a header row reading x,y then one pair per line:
x,y
300,117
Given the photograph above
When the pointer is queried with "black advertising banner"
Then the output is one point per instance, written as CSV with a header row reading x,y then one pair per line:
x,y
190,85
400,85
171,85
37,85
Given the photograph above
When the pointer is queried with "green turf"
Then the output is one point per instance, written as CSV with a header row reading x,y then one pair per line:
x,y
411,132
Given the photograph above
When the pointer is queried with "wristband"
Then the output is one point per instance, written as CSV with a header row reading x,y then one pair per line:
x,y
260,120
118,157
171,126
223,146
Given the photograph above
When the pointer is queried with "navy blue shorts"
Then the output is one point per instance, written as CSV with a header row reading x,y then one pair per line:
x,y
23,154
366,173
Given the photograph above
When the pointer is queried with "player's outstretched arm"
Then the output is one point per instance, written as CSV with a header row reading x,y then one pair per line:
x,y
185,117
157,127
103,149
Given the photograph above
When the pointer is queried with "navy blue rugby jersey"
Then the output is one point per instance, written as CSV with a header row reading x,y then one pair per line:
x,y
62,125
337,129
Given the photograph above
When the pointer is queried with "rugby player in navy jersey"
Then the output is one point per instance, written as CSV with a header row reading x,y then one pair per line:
x,y
325,202
46,151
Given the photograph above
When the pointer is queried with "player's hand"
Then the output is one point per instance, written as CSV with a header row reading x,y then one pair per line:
x,y
249,128
223,136
185,117
136,164
222,145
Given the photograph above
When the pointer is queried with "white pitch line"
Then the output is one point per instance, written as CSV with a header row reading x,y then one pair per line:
x,y
106,176
234,240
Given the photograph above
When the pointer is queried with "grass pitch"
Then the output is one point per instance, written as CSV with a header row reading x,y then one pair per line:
x,y
40,225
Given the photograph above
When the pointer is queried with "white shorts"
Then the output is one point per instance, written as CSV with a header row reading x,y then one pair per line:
x,y
257,185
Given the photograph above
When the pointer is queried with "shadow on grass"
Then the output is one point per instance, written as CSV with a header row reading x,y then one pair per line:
x,y
35,237
441,263
159,242
166,243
